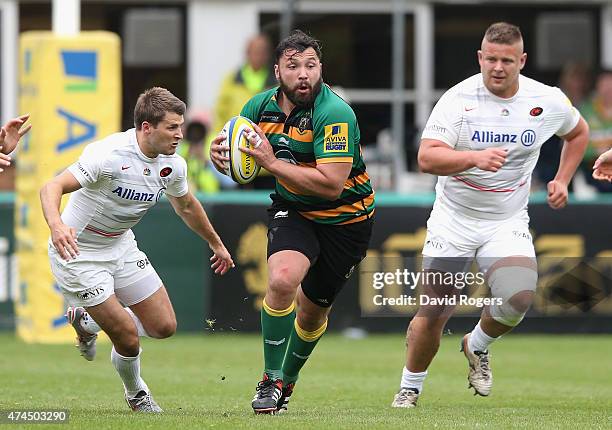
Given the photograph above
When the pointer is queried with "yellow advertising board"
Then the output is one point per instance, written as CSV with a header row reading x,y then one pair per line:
x,y
71,86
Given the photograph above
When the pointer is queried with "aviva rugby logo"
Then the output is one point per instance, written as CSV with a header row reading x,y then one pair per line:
x,y
80,70
336,137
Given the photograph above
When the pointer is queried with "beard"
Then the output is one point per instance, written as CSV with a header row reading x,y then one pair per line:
x,y
302,101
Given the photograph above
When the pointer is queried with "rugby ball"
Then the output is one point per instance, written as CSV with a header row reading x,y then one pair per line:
x,y
242,168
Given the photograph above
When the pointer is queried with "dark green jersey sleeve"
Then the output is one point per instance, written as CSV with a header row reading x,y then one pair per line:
x,y
335,131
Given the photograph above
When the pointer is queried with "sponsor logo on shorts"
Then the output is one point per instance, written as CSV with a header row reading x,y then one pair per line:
x,y
281,214
90,293
521,234
142,263
435,243
336,137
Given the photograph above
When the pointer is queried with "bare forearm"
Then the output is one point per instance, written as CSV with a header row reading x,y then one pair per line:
x,y
50,199
7,148
196,219
573,151
571,156
306,180
445,161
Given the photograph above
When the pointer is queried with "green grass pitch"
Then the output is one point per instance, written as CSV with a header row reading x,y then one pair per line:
x,y
207,381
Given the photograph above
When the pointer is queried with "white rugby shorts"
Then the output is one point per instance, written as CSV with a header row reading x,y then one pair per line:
x,y
83,282
453,240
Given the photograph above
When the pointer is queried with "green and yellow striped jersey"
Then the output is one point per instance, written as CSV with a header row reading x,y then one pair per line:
x,y
326,133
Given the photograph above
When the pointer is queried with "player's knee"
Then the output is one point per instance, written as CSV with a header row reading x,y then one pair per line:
x,y
127,343
123,329
434,317
515,287
164,329
282,281
522,301
431,328
506,314
311,320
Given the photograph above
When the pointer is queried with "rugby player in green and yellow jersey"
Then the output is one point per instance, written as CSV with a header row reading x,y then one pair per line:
x,y
320,220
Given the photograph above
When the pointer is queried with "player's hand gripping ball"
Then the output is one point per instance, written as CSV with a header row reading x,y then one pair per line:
x,y
242,168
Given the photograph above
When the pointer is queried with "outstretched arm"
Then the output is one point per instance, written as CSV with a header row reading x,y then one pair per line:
x,y
602,169
11,132
5,160
192,213
63,237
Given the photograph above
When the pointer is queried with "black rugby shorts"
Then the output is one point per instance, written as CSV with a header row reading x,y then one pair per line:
x,y
334,251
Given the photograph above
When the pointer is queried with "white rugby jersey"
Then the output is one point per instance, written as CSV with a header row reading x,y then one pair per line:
x,y
469,117
120,184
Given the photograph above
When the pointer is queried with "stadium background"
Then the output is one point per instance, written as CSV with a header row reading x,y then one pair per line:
x,y
392,59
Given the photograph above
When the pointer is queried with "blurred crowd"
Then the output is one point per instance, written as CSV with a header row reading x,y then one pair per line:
x,y
590,92
238,86
592,95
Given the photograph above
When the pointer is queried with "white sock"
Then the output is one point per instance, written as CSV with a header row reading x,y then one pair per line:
x,y
413,379
89,325
479,340
139,327
129,371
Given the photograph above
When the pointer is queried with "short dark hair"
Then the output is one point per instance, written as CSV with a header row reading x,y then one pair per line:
x,y
503,33
153,104
298,41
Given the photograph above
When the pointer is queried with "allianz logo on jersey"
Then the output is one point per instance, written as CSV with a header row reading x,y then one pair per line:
x,y
527,137
132,194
